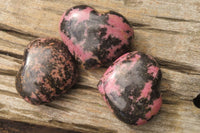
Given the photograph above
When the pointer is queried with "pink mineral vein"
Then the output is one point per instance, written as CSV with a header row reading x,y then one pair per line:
x,y
117,21
43,97
34,96
111,86
121,58
27,100
153,70
130,97
112,51
79,15
154,108
145,93
141,121
76,48
134,61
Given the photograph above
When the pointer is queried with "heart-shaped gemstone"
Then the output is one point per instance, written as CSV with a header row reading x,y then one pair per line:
x,y
48,70
95,39
130,88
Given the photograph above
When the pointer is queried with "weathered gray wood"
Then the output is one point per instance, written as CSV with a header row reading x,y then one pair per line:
x,y
167,29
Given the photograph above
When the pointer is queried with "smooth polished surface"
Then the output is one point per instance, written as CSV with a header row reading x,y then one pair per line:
x,y
47,71
130,88
166,29
95,39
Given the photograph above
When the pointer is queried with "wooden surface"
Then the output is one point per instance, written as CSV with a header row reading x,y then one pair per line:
x,y
8,126
167,29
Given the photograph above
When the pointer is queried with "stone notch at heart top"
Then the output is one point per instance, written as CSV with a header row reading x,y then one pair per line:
x,y
95,39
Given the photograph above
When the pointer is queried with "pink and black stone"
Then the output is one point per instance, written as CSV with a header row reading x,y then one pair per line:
x,y
95,39
130,88
48,70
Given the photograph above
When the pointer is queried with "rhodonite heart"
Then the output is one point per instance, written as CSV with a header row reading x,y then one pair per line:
x,y
95,39
131,88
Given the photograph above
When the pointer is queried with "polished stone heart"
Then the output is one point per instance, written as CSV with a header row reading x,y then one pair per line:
x,y
130,88
95,39
48,70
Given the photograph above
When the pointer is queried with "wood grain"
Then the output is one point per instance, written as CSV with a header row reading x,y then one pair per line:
x,y
167,29
7,126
